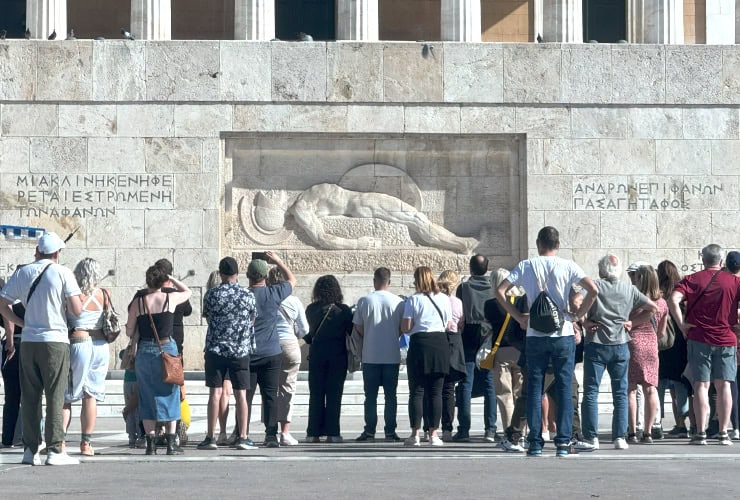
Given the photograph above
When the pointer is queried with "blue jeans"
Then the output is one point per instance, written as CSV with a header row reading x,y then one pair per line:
x,y
540,351
465,395
615,360
375,376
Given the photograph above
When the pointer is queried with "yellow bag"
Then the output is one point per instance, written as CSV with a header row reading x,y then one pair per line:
x,y
487,362
185,412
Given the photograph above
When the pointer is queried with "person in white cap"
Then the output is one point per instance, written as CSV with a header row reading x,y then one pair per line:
x,y
48,291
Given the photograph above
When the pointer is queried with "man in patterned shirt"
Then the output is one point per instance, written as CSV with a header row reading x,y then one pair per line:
x,y
231,311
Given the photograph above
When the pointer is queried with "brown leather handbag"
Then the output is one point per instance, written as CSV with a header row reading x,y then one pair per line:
x,y
172,372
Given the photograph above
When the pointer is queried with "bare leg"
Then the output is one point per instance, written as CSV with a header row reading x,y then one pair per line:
x,y
632,415
242,411
724,404
214,401
701,405
285,427
223,409
66,416
651,406
149,426
545,411
89,414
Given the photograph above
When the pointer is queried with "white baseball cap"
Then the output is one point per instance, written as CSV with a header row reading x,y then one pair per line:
x,y
50,243
635,266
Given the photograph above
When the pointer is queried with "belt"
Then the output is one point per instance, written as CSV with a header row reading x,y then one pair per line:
x,y
80,340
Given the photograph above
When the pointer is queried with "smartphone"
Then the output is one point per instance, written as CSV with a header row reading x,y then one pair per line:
x,y
259,255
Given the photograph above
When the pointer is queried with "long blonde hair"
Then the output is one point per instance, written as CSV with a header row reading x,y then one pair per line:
x,y
424,280
448,281
646,280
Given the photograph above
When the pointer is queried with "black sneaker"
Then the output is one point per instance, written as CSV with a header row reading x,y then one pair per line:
x,y
724,439
393,438
565,450
271,442
657,432
678,432
365,437
699,438
208,444
459,437
245,444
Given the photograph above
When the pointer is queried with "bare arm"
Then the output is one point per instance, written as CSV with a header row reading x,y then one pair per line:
x,y
74,305
521,318
6,311
182,294
591,293
406,325
647,312
674,306
274,259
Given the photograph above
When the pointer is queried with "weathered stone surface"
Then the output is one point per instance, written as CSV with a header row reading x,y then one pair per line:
x,y
532,73
656,123
543,122
680,229
628,230
136,261
142,120
586,74
118,71
549,192
211,155
199,120
375,118
725,156
730,74
115,155
182,71
64,71
308,118
716,192
568,156
354,72
196,190
432,119
413,72
693,74
487,119
84,120
18,71
246,71
638,74
683,157
710,123
265,117
58,154
165,230
723,229
29,119
14,155
577,229
535,156
473,72
299,71
200,260
636,156
107,232
212,228
168,154
588,258
600,122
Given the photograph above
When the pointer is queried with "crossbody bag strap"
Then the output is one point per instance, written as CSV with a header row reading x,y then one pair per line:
x,y
36,283
444,326
504,326
315,335
691,306
284,314
151,323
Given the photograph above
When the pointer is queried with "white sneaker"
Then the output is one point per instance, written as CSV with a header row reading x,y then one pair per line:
x,y
587,444
446,435
434,440
412,440
60,458
509,446
287,440
546,436
621,444
30,458
736,434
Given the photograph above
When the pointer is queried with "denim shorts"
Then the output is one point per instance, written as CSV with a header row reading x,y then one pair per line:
x,y
709,362
157,400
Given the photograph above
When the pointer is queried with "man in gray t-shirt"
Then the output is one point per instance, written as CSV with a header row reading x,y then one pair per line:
x,y
607,335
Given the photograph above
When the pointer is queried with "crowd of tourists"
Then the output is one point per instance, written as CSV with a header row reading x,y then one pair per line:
x,y
512,337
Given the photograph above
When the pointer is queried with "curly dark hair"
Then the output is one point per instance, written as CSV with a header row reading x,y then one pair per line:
x,y
327,290
155,277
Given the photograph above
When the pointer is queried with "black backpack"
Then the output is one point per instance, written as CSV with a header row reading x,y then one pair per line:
x,y
544,315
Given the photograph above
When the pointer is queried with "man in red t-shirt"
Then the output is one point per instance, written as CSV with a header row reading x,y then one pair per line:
x,y
711,318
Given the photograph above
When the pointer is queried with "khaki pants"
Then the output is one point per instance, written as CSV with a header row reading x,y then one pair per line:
x,y
507,379
291,361
44,369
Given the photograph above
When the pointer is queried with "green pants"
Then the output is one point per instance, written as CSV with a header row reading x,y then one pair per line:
x,y
44,369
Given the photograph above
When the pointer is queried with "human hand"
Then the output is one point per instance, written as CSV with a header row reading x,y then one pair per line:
x,y
628,325
589,325
685,327
272,257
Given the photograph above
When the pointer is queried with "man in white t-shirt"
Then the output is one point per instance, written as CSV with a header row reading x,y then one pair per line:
x,y
556,277
378,319
48,291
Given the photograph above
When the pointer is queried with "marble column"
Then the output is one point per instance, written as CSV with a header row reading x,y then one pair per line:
x,y
558,20
461,20
720,22
358,20
254,20
655,21
151,19
45,16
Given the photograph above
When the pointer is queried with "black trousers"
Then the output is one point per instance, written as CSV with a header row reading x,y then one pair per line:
x,y
448,405
425,399
265,372
326,377
12,383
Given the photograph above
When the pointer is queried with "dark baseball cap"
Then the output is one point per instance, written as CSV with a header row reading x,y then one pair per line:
x,y
733,261
228,266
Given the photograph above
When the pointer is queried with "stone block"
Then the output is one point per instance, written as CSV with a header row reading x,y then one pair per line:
x,y
118,71
200,120
146,120
211,229
197,191
543,122
656,256
200,260
428,119
29,120
115,155
58,154
170,154
310,118
628,230
106,258
722,229
487,119
299,71
64,71
588,258
586,73
725,156
638,74
15,155
196,302
569,156
211,155
693,74
532,73
636,156
132,263
262,117
182,71
535,222
473,72
611,123
18,63
710,123
354,72
82,120
167,229
730,74
683,157
549,192
108,232
680,229
535,156
413,72
246,72
717,192
577,229
375,118
656,123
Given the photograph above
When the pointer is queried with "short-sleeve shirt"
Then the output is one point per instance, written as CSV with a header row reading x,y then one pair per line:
x,y
616,300
456,307
266,336
291,319
380,313
231,311
715,312
45,319
420,309
553,274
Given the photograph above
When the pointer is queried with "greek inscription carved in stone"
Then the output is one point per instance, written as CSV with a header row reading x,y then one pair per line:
x,y
591,194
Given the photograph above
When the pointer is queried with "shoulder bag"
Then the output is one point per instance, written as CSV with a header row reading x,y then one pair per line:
x,y
487,352
172,372
111,319
457,352
544,315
